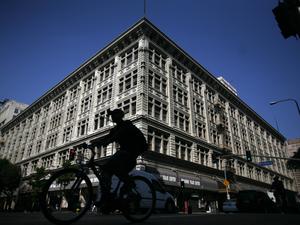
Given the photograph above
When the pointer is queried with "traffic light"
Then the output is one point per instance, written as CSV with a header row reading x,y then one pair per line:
x,y
72,154
182,184
248,156
287,15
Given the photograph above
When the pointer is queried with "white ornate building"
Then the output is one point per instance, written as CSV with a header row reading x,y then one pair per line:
x,y
184,111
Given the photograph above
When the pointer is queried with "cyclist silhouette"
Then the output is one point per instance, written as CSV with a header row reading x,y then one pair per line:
x,y
132,143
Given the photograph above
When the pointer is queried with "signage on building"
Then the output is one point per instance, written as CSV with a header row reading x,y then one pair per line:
x,y
265,163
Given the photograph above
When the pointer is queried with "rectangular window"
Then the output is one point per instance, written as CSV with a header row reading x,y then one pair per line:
x,y
202,155
128,81
197,84
55,121
158,141
157,82
180,96
67,134
200,129
106,71
183,149
47,161
235,130
71,112
46,111
34,165
58,103
29,151
178,73
86,104
129,57
101,120
82,127
104,94
51,141
157,109
214,137
128,106
42,128
210,95
38,146
88,83
212,115
198,107
74,93
181,120
63,157
157,57
33,134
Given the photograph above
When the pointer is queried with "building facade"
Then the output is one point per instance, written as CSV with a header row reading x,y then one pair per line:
x,y
184,111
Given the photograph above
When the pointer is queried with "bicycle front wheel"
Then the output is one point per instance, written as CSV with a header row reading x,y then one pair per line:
x,y
66,196
139,200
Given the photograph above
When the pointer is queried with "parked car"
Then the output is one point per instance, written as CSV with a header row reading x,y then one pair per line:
x,y
164,200
230,206
255,201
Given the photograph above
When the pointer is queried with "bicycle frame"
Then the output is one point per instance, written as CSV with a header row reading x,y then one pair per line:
x,y
91,165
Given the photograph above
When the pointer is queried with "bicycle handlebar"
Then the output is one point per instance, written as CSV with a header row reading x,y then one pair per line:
x,y
89,147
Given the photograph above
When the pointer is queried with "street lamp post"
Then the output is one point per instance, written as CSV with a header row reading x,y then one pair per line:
x,y
285,100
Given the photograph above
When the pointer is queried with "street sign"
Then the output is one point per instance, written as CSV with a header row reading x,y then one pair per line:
x,y
226,182
265,163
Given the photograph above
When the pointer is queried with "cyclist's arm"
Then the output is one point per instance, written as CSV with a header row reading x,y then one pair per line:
x,y
105,140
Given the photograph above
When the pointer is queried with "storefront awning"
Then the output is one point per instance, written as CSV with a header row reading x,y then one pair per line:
x,y
244,186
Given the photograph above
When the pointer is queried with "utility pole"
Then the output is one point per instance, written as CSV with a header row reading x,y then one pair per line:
x,y
226,183
144,8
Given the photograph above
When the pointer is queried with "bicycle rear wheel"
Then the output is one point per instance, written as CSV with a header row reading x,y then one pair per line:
x,y
66,196
138,201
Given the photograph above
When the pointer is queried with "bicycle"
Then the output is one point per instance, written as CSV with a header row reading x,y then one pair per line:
x,y
68,194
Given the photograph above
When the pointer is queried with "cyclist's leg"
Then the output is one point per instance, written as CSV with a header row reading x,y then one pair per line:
x,y
108,170
104,187
120,164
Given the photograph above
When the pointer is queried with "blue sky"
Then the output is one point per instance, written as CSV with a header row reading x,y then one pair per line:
x,y
41,42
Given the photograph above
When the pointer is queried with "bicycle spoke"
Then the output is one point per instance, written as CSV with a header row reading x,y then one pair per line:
x,y
139,201
66,197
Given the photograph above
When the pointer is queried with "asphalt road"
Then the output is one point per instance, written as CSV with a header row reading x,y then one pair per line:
x,y
161,219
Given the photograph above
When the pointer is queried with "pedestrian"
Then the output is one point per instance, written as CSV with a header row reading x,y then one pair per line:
x,y
279,193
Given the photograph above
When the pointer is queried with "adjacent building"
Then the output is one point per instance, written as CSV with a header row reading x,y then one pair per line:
x,y
185,112
293,145
9,109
